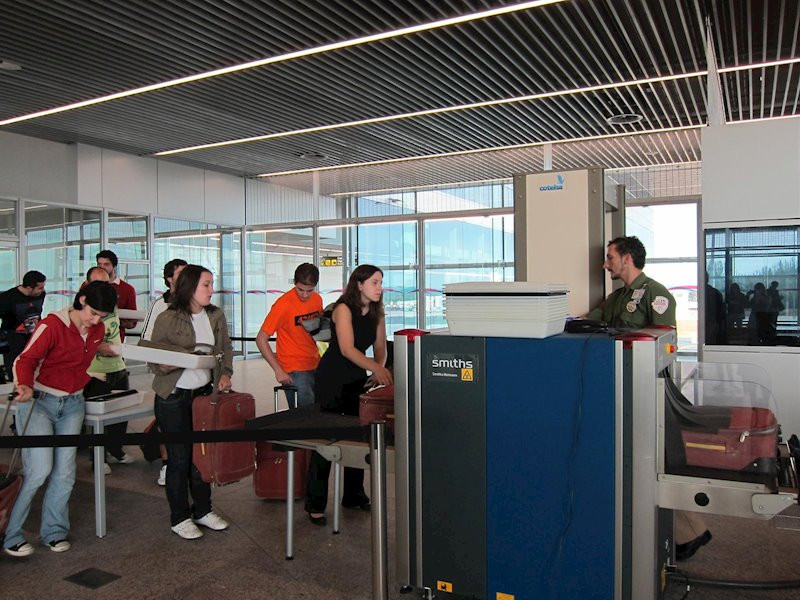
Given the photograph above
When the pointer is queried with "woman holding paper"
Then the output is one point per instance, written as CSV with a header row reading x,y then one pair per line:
x,y
190,323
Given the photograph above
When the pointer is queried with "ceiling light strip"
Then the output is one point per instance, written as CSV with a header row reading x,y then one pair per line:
x,y
437,111
474,105
482,150
289,56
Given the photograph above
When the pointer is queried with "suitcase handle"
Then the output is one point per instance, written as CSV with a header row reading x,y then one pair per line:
x,y
285,388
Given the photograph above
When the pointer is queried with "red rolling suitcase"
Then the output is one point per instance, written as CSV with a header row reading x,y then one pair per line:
x,y
271,476
10,482
377,404
223,462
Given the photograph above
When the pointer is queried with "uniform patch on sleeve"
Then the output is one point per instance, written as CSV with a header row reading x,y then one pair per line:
x,y
660,304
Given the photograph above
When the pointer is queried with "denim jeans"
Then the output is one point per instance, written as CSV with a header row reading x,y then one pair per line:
x,y
51,415
304,382
174,413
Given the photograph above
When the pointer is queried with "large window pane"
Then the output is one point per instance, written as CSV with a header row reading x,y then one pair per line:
x,y
8,217
212,247
456,198
272,257
756,271
62,244
8,269
460,250
127,238
393,248
669,234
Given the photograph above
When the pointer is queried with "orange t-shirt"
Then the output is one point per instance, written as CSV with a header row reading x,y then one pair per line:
x,y
296,349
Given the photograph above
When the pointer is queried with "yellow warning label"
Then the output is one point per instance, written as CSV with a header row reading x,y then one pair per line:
x,y
502,596
444,586
466,375
716,447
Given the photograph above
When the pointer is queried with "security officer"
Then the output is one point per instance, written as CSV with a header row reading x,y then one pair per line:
x,y
642,302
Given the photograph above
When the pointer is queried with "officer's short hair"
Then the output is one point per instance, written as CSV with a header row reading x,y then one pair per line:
x,y
33,278
630,245
307,274
109,255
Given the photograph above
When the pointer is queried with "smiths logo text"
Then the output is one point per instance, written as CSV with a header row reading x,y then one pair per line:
x,y
558,185
455,368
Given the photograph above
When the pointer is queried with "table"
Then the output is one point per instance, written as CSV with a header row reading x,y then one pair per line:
x,y
97,423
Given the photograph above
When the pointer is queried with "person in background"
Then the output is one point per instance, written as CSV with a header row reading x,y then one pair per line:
x,y
736,303
108,373
190,323
53,368
296,355
358,322
107,260
642,301
172,269
716,320
21,310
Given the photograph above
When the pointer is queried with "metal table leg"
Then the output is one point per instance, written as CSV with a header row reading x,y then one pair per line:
x,y
290,505
99,485
337,483
377,473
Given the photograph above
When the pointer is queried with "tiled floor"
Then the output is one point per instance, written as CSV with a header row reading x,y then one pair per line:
x,y
248,561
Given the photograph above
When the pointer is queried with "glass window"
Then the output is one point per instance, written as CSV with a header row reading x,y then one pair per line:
x,y
272,257
8,269
669,234
460,250
8,217
390,246
127,238
62,244
754,271
210,246
456,198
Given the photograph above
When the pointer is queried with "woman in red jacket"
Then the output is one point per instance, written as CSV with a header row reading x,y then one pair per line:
x,y
53,368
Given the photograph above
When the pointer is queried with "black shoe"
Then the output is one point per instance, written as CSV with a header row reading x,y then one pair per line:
x,y
361,502
319,521
687,550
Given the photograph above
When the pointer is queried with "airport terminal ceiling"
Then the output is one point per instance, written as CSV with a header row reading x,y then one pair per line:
x,y
467,101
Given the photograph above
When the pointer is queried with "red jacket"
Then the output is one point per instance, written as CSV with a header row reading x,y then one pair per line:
x,y
60,354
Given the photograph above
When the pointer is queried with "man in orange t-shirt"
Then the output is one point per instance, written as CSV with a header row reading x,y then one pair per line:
x,y
296,356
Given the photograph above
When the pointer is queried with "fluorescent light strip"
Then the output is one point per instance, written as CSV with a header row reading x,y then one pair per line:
x,y
435,111
447,109
290,56
413,188
482,150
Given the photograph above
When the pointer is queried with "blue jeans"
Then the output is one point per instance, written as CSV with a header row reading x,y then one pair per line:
x,y
304,382
174,413
52,415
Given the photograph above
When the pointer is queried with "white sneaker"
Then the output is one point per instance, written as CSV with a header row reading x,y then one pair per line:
x,y
213,521
60,545
187,530
20,550
125,459
106,468
162,476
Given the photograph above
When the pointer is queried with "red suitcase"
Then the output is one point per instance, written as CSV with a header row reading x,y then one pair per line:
x,y
377,405
223,462
750,435
10,482
271,476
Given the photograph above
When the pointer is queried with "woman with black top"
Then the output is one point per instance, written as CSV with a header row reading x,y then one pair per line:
x,y
357,323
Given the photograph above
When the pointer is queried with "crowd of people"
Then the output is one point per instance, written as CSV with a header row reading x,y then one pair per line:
x,y
61,360
727,320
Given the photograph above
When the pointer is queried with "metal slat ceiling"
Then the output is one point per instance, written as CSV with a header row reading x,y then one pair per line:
x,y
77,50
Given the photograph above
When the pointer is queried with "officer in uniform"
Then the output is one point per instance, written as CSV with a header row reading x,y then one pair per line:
x,y
642,302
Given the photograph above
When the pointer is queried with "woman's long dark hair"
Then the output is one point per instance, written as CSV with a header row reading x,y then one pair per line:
x,y
352,295
100,295
188,281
